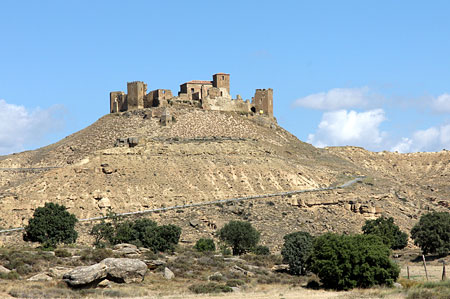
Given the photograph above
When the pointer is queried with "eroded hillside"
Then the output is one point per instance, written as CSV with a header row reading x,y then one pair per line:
x,y
207,155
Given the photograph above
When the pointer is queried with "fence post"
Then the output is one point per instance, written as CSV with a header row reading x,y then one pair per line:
x,y
425,266
444,276
407,270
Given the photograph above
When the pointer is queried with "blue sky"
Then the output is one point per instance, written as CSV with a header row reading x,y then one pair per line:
x,y
364,73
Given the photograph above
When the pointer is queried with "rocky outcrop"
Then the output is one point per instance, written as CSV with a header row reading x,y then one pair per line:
x,y
121,270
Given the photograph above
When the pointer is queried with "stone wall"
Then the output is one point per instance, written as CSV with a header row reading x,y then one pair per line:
x,y
157,98
117,101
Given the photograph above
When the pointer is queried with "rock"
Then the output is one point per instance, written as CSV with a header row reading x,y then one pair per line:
x,y
168,274
4,270
280,268
397,285
236,289
104,203
153,264
58,272
104,284
126,249
237,269
86,275
234,260
40,277
108,170
194,223
116,269
125,270
133,141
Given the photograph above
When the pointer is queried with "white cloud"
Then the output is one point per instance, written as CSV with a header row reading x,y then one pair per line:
x,y
20,127
337,98
431,139
442,103
344,127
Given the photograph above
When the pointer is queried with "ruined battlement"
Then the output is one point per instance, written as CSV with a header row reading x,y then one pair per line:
x,y
208,95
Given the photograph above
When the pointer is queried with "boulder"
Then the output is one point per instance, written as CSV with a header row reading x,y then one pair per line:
x,y
125,270
125,248
4,270
86,275
168,274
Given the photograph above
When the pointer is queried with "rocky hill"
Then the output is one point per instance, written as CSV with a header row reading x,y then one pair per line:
x,y
206,155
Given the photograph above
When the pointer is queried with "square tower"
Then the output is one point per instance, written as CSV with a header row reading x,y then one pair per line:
x,y
136,93
221,80
263,101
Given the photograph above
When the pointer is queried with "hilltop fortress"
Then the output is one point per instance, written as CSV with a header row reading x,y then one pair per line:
x,y
208,95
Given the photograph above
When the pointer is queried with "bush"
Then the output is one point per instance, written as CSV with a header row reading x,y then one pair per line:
x,y
389,232
432,233
261,250
344,262
210,288
296,249
140,232
61,252
203,245
240,235
51,225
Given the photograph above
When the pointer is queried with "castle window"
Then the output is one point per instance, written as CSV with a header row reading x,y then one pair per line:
x,y
223,77
192,90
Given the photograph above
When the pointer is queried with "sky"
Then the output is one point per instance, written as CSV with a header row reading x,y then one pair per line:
x,y
373,74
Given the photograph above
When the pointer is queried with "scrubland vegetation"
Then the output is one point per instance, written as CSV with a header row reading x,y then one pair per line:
x,y
234,259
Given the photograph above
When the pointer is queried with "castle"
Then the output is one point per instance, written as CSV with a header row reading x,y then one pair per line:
x,y
208,95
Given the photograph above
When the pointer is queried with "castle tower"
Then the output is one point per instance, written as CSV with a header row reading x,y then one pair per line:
x,y
263,101
221,80
136,93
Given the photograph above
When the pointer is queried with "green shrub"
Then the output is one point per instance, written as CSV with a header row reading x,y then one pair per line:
x,y
51,225
261,250
240,235
203,245
225,250
296,249
235,283
13,275
432,233
344,262
389,232
96,255
210,288
60,252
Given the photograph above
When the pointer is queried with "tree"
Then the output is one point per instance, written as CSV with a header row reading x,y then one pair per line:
x,y
344,262
50,225
240,235
432,233
296,249
389,232
140,232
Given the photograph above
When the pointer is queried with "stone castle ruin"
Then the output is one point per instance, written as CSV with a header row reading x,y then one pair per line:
x,y
208,95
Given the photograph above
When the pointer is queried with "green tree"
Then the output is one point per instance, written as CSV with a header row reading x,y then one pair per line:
x,y
240,235
389,232
203,245
344,262
432,233
140,232
296,250
50,225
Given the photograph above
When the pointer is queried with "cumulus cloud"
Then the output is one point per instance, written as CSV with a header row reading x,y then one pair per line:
x,y
337,98
344,127
20,127
431,139
441,104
